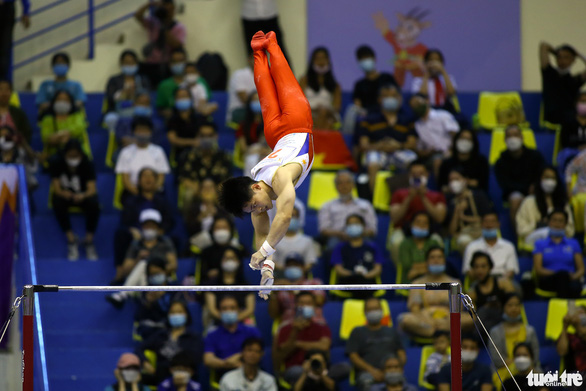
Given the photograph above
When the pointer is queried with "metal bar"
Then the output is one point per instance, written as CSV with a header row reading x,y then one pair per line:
x,y
90,22
28,338
50,28
46,7
114,22
455,293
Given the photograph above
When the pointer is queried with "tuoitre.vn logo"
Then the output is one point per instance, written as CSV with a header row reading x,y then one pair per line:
x,y
550,379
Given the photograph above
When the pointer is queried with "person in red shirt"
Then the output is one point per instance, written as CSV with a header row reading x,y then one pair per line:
x,y
573,346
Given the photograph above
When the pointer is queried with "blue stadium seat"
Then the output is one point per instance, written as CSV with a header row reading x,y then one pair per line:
x,y
185,267
332,311
196,320
105,183
412,368
264,322
536,312
549,358
397,307
311,225
99,144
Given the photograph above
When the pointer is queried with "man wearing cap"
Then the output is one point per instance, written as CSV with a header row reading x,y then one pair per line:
x,y
127,374
394,377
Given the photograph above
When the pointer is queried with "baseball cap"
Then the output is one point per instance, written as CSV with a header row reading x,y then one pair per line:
x,y
128,360
150,215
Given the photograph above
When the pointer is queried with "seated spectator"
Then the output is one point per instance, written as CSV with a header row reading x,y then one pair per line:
x,y
201,92
394,377
501,251
61,122
295,242
572,134
488,292
127,374
152,306
560,87
467,158
230,274
524,359
322,90
122,89
428,310
183,125
549,193
73,179
11,115
142,154
250,140
166,89
475,376
517,169
435,83
416,198
439,357
369,345
282,303
182,369
200,214
465,208
240,87
167,343
333,214
557,260
223,345
14,149
60,63
385,137
572,347
418,240
576,167
355,260
315,375
164,34
249,376
511,331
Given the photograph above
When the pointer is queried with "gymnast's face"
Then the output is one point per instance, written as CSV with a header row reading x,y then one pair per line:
x,y
259,202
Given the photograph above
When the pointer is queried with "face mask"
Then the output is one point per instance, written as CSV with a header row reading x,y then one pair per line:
x,y
229,317
294,224
419,232
582,318
548,185
157,279
489,233
6,145
149,234
307,311
390,103
416,182
222,236
62,107
129,70
130,375
178,69
207,143
420,110
293,273
367,64
177,320
464,146
456,186
354,230
181,377
191,78
468,356
73,162
60,69
374,317
142,139
183,104
436,269
557,232
522,363
393,378
581,109
143,111
321,69
510,319
230,265
514,143
256,107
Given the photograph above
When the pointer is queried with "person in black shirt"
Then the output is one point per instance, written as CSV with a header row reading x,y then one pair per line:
x,y
573,134
559,86
74,185
183,126
315,375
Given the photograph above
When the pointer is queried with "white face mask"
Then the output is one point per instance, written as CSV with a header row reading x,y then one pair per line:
x,y
222,236
62,107
230,265
73,162
548,185
464,145
149,234
514,143
456,186
130,375
468,356
181,377
522,363
191,78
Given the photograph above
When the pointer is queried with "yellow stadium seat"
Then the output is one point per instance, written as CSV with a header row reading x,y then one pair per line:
x,y
214,381
14,99
497,143
118,190
112,147
399,280
238,156
545,124
353,316
556,146
499,109
322,189
381,199
426,351
578,201
556,310
541,292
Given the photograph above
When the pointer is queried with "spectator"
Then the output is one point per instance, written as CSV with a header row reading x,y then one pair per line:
x,y
167,343
559,86
355,260
7,22
164,35
549,194
428,310
200,213
385,137
74,185
183,125
260,15
465,207
439,357
322,90
572,134
394,377
240,87
315,374
435,83
251,145
576,167
511,331
200,90
182,369
333,214
122,89
475,376
501,251
467,158
524,359
166,89
249,376
152,306
223,344
62,122
572,347
418,240
14,149
282,303
127,375
368,345
557,260
11,115
296,242
60,62
142,154
517,169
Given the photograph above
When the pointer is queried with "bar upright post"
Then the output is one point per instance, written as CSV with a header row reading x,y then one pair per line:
x,y
28,337
456,335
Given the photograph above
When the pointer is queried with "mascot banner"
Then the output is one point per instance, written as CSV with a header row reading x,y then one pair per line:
x,y
480,40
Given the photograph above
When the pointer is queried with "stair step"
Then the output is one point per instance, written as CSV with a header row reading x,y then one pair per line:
x,y
83,363
78,315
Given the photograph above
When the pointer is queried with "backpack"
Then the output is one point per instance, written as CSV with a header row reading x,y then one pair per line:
x,y
212,68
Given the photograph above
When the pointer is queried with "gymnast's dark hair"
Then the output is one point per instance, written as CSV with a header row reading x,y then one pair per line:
x,y
234,193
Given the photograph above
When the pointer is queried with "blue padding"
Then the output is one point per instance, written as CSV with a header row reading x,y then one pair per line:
x,y
332,312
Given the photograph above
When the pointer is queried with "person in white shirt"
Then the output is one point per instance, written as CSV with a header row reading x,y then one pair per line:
x,y
435,83
260,15
249,376
134,157
240,87
501,251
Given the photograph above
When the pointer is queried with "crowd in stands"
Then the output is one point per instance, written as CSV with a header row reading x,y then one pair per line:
x,y
443,227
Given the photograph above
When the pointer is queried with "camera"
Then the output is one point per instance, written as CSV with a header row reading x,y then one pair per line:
x,y
315,365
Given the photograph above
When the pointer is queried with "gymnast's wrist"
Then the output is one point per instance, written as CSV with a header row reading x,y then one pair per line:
x,y
266,249
268,265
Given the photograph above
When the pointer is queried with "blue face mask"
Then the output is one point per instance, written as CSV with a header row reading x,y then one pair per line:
x,y
510,319
255,107
490,233
177,320
178,69
390,103
367,64
229,317
419,232
183,104
143,111
157,279
436,269
293,273
306,311
557,232
294,224
129,70
60,69
354,230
